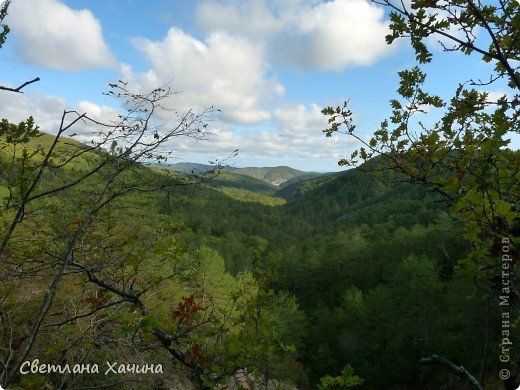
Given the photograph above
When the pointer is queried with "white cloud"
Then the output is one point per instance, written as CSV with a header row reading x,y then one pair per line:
x,y
334,35
98,112
48,33
297,120
247,18
45,109
294,137
305,34
222,71
228,68
494,96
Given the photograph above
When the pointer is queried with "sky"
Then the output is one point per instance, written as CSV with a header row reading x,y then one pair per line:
x,y
269,66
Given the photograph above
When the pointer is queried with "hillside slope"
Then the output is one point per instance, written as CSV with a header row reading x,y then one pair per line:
x,y
274,175
277,176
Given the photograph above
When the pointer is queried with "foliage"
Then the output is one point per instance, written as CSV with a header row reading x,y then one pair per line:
x,y
5,28
347,380
250,196
242,182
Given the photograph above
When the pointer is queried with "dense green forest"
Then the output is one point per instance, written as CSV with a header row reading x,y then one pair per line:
x,y
352,270
119,271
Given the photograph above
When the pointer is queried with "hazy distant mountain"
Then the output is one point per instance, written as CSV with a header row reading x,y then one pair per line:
x,y
187,167
227,177
278,176
304,177
273,175
236,180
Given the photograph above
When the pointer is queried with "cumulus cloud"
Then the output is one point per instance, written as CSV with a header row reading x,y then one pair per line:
x,y
297,120
48,33
222,71
229,68
334,35
253,19
45,109
101,113
313,150
294,135
494,96
305,34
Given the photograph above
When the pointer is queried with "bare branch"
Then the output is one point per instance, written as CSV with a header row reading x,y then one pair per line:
x,y
19,89
457,370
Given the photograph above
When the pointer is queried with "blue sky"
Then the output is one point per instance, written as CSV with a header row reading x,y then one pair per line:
x,y
269,65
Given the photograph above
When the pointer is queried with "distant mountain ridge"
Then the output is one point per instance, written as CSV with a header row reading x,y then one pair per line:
x,y
277,176
187,167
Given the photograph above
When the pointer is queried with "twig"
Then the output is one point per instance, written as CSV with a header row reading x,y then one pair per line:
x,y
19,89
459,371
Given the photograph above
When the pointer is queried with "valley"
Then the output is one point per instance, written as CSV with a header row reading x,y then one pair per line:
x,y
348,272
125,266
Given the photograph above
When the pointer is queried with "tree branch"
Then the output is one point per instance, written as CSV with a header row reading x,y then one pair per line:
x,y
459,371
19,89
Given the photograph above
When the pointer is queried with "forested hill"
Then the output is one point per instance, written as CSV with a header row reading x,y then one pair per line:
x,y
357,196
371,261
278,176
341,272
